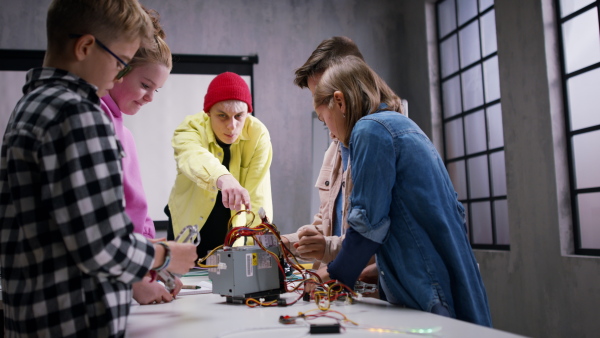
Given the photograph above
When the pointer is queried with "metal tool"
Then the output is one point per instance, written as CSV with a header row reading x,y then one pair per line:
x,y
365,288
189,234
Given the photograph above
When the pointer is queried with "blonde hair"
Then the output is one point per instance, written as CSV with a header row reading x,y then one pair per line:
x,y
364,91
159,52
232,105
105,19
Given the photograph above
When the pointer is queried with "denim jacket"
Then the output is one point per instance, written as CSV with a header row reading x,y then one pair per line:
x,y
404,204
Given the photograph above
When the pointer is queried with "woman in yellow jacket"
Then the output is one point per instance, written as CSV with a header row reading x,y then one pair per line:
x,y
223,156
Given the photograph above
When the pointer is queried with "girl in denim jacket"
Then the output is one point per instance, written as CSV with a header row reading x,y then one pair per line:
x,y
402,208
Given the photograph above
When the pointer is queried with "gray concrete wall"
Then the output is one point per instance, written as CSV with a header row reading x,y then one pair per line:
x,y
538,288
283,34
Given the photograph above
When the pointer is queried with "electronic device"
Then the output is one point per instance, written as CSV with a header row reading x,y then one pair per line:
x,y
248,271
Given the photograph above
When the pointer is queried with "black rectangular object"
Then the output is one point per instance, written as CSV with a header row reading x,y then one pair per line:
x,y
324,328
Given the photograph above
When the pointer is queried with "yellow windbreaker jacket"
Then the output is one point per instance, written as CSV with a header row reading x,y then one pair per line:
x,y
198,157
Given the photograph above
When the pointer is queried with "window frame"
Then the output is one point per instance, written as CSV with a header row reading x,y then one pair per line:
x,y
463,114
570,134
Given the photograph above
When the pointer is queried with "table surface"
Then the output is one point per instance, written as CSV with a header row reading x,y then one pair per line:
x,y
209,315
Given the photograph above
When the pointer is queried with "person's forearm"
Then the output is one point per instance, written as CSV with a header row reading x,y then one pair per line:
x,y
221,179
334,245
192,156
159,256
356,252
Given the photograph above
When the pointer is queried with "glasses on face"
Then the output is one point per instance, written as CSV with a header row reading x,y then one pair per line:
x,y
319,117
126,68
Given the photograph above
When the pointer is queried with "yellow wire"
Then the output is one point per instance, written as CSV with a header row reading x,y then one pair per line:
x,y
200,260
344,318
318,295
259,303
248,224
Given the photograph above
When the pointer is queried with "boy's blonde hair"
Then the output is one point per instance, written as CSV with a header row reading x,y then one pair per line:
x,y
363,90
105,19
159,52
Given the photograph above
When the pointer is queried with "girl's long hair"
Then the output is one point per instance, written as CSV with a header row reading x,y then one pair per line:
x,y
364,91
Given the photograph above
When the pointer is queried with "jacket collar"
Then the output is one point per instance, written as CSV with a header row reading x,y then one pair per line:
x,y
38,77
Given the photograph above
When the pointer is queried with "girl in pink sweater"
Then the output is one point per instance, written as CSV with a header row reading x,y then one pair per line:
x,y
150,69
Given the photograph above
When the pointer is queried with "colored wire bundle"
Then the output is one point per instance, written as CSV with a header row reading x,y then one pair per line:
x,y
332,314
329,292
323,293
206,257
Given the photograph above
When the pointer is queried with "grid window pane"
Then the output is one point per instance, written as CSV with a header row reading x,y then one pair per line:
x,y
449,56
581,44
498,173
481,218
456,171
473,135
582,91
475,132
569,6
446,17
501,217
491,79
467,9
488,33
479,182
495,131
451,97
455,146
485,4
589,214
587,161
469,44
472,88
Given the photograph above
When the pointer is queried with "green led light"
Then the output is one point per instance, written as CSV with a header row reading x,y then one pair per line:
x,y
400,331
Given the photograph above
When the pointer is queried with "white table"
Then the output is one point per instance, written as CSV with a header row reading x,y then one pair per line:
x,y
208,315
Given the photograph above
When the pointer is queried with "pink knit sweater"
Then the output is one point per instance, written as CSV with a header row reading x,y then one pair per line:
x,y
136,206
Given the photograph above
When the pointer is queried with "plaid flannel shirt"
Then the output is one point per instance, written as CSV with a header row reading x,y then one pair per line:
x,y
68,253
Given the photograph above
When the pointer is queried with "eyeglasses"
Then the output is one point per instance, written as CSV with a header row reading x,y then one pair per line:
x,y
319,116
126,68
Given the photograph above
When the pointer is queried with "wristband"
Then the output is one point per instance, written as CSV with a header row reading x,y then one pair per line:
x,y
153,276
167,257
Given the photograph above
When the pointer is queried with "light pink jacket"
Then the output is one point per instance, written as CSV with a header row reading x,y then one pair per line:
x,y
331,180
136,206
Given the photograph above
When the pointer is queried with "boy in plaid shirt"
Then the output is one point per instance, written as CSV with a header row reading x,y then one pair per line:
x,y
67,249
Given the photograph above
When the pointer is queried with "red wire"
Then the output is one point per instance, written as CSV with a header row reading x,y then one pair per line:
x,y
263,228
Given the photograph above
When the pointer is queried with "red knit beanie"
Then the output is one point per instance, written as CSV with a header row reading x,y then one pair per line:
x,y
227,86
